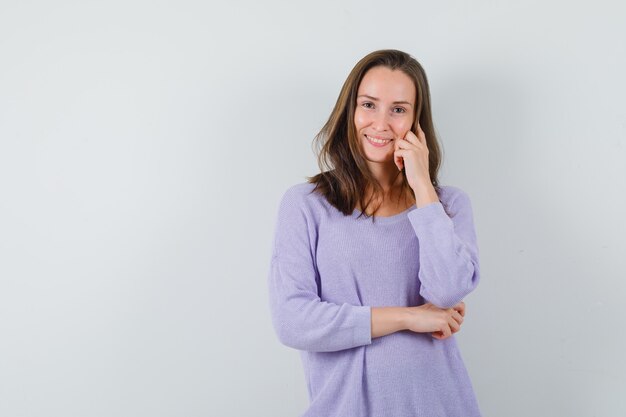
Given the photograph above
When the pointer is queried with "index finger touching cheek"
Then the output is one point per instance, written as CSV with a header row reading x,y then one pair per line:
x,y
411,137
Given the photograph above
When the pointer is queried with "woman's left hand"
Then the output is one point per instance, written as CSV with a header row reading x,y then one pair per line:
x,y
412,153
460,308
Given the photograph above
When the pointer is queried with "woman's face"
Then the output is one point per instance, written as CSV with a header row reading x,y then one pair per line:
x,y
384,111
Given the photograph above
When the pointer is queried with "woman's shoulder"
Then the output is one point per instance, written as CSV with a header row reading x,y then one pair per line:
x,y
299,192
301,195
301,189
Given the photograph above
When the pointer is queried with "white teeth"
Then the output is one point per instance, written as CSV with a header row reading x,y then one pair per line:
x,y
377,140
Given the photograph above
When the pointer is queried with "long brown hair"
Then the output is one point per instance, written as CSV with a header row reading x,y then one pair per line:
x,y
345,175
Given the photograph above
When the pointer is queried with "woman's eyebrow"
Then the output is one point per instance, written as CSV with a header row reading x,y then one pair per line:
x,y
375,99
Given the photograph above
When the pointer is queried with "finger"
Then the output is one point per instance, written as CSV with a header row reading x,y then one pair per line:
x,y
438,335
420,134
457,317
408,144
398,160
411,142
454,316
454,325
460,307
402,153
447,332
411,137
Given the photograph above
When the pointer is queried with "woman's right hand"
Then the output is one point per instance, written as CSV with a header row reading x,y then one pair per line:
x,y
440,322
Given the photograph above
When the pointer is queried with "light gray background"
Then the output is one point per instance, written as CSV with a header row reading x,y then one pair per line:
x,y
144,146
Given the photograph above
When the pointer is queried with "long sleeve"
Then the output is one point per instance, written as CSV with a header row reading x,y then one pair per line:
x,y
301,319
448,250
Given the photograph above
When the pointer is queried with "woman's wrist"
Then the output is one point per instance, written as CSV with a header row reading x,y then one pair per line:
x,y
425,194
387,320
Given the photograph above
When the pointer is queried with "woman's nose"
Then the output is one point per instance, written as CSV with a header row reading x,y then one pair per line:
x,y
380,121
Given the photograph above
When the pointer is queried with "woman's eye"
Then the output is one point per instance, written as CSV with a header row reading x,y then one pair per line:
x,y
401,110
366,104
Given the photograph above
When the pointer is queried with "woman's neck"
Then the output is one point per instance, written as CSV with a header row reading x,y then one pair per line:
x,y
394,193
387,176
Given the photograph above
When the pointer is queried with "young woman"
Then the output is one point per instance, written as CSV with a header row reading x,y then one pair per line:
x,y
372,257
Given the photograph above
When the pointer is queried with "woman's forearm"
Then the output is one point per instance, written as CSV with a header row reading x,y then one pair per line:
x,y
387,320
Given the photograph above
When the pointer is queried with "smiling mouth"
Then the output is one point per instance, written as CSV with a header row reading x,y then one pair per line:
x,y
378,141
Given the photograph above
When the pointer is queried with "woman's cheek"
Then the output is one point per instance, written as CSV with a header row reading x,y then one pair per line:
x,y
408,123
403,127
358,119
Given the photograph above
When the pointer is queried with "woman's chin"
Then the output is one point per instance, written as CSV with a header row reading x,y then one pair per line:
x,y
379,159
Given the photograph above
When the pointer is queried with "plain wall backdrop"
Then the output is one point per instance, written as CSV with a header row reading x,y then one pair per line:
x,y
144,147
